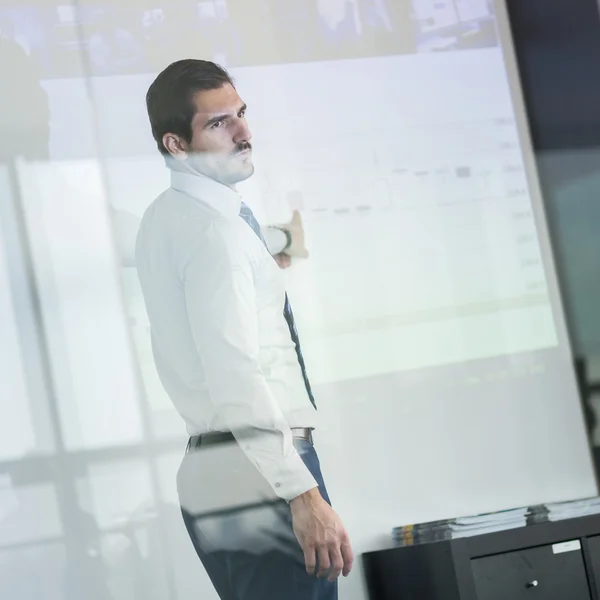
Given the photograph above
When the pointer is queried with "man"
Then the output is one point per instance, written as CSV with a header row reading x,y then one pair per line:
x,y
227,351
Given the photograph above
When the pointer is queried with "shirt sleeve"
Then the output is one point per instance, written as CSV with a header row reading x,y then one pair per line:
x,y
220,297
275,238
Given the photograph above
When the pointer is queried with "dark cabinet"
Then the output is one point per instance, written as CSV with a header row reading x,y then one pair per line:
x,y
546,561
593,562
548,572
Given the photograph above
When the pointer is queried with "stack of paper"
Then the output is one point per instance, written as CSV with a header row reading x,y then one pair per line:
x,y
571,510
459,527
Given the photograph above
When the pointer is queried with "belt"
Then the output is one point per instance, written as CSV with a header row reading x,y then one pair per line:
x,y
225,437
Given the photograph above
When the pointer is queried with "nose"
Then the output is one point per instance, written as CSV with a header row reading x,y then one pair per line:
x,y
242,132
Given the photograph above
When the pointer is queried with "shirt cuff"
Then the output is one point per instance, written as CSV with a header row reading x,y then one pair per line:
x,y
275,238
291,478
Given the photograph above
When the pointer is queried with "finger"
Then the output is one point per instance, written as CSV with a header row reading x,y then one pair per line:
x,y
337,563
324,562
348,557
310,560
296,218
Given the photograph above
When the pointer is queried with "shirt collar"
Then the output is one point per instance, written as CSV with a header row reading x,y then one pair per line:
x,y
218,196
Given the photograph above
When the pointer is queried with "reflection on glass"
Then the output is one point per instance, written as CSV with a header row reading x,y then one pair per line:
x,y
24,415
16,427
74,261
165,421
134,500
429,296
131,528
35,572
28,513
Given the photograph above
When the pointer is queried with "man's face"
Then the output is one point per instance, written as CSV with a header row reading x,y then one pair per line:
x,y
220,146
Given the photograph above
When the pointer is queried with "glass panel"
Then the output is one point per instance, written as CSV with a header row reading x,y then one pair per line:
x,y
134,560
38,571
24,412
74,257
134,501
428,309
69,228
180,558
28,513
132,542
16,426
164,420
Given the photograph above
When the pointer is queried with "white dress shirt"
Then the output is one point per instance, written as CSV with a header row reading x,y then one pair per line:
x,y
215,297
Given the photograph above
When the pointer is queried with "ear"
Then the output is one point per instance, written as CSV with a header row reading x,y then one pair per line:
x,y
175,146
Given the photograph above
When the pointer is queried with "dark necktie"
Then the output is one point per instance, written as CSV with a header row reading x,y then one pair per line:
x,y
249,217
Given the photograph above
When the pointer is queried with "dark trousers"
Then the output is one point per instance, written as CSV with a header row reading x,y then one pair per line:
x,y
273,570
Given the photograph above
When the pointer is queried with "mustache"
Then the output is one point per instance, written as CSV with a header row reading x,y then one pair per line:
x,y
242,147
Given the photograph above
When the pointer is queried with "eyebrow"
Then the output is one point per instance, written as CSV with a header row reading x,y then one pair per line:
x,y
223,117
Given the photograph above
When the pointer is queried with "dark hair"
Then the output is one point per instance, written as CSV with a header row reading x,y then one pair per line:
x,y
170,98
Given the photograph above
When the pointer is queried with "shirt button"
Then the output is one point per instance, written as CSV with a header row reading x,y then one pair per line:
x,y
247,447
277,485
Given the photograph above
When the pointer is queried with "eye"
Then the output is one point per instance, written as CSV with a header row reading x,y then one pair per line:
x,y
242,113
217,124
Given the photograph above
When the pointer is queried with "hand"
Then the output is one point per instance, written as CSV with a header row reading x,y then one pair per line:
x,y
283,260
321,533
296,229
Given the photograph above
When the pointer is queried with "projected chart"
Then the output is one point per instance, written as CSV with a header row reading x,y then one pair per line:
x,y
425,251
409,168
